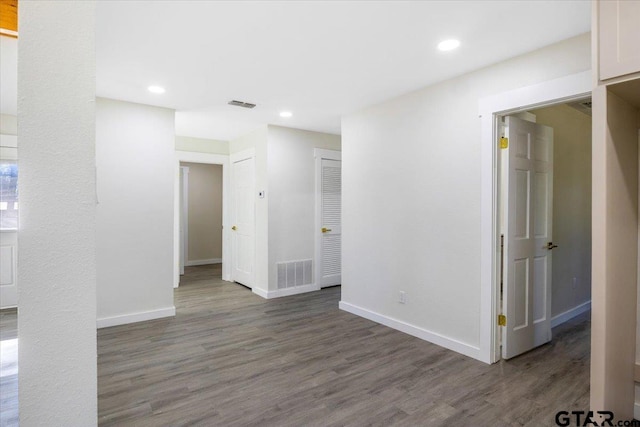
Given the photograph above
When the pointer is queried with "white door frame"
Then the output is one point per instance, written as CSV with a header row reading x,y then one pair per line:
x,y
184,217
212,159
561,90
319,155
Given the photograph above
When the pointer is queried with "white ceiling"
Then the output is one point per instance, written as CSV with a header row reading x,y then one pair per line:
x,y
318,59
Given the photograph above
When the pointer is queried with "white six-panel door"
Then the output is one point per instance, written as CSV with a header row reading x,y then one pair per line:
x,y
243,218
528,163
329,223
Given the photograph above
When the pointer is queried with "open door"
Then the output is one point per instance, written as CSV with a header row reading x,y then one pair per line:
x,y
527,162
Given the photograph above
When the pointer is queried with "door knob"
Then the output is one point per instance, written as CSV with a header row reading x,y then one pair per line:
x,y
325,230
234,228
550,245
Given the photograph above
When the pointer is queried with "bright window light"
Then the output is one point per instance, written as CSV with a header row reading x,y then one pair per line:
x,y
8,195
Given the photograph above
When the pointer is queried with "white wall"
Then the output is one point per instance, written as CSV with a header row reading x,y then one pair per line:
x,y
571,206
57,270
135,159
258,141
411,197
205,213
8,124
291,166
199,145
285,171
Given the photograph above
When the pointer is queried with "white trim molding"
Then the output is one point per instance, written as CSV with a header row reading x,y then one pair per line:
x,y
321,153
203,262
432,337
260,292
565,316
278,293
141,316
561,90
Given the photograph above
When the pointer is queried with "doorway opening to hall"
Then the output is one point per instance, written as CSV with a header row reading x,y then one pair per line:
x,y
201,229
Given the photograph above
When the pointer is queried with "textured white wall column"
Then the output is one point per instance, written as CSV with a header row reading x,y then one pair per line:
x,y
57,267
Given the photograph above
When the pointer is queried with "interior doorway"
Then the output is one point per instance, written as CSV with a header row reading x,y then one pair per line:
x,y
196,252
544,220
200,216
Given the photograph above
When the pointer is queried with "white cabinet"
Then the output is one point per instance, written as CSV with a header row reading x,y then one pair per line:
x,y
618,37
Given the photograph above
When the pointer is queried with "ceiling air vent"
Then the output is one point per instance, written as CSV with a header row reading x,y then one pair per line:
x,y
241,104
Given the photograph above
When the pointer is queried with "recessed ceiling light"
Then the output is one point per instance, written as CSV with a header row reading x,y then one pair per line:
x,y
450,44
286,114
156,89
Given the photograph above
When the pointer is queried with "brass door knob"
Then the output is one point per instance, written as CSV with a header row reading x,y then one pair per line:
x,y
325,230
234,228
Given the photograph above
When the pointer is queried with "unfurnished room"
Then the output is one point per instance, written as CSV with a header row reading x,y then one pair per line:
x,y
319,213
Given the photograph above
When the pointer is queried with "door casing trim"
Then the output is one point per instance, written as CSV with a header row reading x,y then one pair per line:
x,y
207,158
552,92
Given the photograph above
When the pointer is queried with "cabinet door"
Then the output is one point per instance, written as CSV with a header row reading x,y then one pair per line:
x,y
619,37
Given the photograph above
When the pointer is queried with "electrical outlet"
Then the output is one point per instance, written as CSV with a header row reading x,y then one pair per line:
x,y
403,297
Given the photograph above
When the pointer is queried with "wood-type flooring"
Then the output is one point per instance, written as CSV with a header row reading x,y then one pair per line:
x,y
231,358
8,367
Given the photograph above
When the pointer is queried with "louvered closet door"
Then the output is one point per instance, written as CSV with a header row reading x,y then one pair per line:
x,y
330,198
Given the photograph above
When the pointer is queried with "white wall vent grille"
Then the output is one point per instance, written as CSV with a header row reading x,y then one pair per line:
x,y
294,273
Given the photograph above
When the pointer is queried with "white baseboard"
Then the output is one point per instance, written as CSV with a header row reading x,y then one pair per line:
x,y
141,316
260,292
203,262
570,314
416,331
285,292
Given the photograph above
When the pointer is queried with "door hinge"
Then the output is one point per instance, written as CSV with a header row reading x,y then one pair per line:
x,y
502,320
504,142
